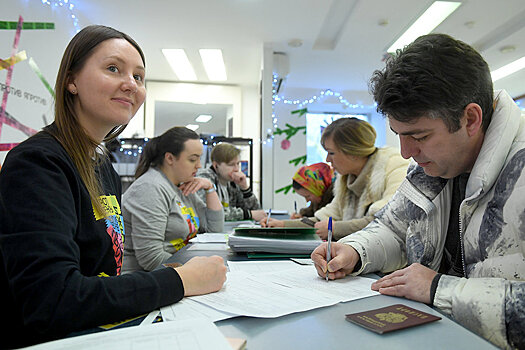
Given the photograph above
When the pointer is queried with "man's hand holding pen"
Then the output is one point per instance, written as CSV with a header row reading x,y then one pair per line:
x,y
342,262
329,246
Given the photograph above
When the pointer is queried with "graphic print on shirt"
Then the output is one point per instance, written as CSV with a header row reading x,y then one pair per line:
x,y
193,224
114,226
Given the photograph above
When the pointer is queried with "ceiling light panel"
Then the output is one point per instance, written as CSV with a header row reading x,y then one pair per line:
x,y
192,126
430,19
180,64
203,118
508,69
213,64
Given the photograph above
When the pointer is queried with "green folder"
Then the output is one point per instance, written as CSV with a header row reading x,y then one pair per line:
x,y
299,241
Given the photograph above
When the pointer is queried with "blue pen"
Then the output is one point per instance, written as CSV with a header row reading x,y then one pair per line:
x,y
329,247
268,218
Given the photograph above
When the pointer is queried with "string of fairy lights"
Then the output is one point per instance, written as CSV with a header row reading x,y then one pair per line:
x,y
300,103
65,4
135,148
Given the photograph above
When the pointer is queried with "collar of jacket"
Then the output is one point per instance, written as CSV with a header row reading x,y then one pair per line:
x,y
359,183
497,144
498,140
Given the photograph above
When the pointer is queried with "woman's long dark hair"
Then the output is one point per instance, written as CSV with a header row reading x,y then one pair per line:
x,y
68,131
171,141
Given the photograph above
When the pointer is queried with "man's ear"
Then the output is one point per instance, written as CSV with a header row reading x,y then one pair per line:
x,y
214,164
474,118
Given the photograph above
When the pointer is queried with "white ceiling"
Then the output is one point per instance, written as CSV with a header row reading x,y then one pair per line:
x,y
241,27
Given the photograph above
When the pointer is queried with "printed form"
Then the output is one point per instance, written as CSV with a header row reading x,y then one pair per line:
x,y
275,294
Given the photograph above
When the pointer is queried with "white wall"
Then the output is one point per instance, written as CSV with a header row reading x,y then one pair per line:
x,y
250,128
28,99
266,143
196,93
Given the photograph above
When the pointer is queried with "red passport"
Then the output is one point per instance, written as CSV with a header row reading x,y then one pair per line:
x,y
391,318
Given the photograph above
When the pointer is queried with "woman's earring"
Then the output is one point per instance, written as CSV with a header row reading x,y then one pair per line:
x,y
74,92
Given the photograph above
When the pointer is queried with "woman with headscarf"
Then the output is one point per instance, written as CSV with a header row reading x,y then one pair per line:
x,y
313,182
368,177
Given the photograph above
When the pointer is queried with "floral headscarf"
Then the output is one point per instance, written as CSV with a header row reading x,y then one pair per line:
x,y
315,178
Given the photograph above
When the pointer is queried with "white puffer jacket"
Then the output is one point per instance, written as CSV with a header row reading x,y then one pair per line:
x,y
412,228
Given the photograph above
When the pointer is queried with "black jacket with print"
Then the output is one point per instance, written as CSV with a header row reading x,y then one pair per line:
x,y
58,264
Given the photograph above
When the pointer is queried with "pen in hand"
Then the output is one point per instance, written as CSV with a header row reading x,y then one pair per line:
x,y
295,206
268,218
329,246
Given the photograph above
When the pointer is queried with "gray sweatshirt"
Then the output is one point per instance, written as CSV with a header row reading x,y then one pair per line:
x,y
159,220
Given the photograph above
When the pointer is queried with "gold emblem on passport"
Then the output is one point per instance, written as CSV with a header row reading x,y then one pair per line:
x,y
391,317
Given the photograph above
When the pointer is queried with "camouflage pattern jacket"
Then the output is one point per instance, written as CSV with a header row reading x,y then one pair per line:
x,y
412,227
238,204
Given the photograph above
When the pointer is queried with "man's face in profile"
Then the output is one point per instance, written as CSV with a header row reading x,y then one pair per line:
x,y
438,151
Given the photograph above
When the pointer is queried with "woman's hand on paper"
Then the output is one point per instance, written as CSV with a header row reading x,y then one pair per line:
x,y
344,258
202,275
271,223
412,282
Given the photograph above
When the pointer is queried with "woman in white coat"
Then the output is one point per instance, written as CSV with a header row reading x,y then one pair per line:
x,y
367,177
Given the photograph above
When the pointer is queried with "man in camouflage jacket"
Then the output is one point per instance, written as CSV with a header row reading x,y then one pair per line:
x,y
458,220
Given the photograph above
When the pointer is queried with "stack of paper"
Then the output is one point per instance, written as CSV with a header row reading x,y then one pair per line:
x,y
287,240
194,333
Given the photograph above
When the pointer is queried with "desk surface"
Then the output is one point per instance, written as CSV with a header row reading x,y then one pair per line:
x,y
326,328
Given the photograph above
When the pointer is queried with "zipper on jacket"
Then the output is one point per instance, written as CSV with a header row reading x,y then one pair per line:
x,y
461,241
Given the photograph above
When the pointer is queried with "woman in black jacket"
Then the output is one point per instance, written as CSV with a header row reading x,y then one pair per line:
x,y
61,232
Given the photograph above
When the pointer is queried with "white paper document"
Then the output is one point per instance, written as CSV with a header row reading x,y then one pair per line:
x,y
187,309
193,334
283,292
150,318
221,237
261,266
208,246
305,278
